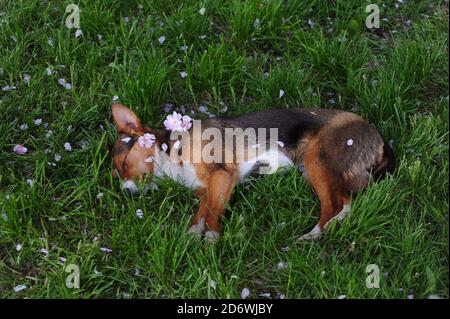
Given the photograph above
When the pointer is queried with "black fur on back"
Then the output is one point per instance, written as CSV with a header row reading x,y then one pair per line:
x,y
292,124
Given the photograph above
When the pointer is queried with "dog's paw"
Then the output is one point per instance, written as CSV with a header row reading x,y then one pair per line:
x,y
212,236
314,234
197,230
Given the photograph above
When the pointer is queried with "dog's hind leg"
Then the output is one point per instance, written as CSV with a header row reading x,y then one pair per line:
x,y
334,204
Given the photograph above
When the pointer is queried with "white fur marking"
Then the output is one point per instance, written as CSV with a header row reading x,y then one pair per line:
x,y
314,234
198,228
340,216
185,174
212,236
149,159
274,160
130,185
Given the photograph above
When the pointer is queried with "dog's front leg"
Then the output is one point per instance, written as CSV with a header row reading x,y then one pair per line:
x,y
198,224
220,184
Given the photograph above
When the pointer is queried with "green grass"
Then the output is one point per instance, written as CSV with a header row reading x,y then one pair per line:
x,y
395,77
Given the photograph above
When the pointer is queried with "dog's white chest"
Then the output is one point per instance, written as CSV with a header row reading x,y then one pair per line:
x,y
266,163
184,174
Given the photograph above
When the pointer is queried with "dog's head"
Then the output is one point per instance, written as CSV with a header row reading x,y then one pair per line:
x,y
131,160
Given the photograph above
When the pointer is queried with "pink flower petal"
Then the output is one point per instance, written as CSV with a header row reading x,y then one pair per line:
x,y
147,140
20,149
173,122
67,147
149,159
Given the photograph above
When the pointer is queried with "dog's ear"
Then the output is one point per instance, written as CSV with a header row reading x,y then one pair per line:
x,y
126,121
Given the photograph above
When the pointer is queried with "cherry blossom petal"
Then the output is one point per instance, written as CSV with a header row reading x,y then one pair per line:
x,y
67,147
147,140
149,159
245,293
20,288
78,33
20,149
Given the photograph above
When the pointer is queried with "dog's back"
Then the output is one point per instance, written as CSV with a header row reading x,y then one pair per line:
x,y
347,145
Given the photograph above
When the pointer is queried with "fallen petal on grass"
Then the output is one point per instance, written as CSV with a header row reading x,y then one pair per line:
x,y
282,265
20,288
67,146
20,149
245,293
78,33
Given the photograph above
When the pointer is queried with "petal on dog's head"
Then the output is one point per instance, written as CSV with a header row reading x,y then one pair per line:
x,y
126,121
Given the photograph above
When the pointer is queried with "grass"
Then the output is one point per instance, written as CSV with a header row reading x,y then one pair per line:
x,y
239,54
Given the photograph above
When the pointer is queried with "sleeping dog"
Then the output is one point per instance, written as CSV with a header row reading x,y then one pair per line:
x,y
337,151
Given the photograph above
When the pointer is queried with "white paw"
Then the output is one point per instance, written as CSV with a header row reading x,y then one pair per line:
x,y
197,229
314,234
130,186
212,236
339,217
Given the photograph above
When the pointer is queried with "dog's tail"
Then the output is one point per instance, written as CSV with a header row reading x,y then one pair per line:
x,y
386,165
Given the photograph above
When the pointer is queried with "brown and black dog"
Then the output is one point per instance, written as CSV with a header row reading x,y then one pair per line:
x,y
337,150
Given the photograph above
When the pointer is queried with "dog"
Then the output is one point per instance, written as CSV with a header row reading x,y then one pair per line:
x,y
338,152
